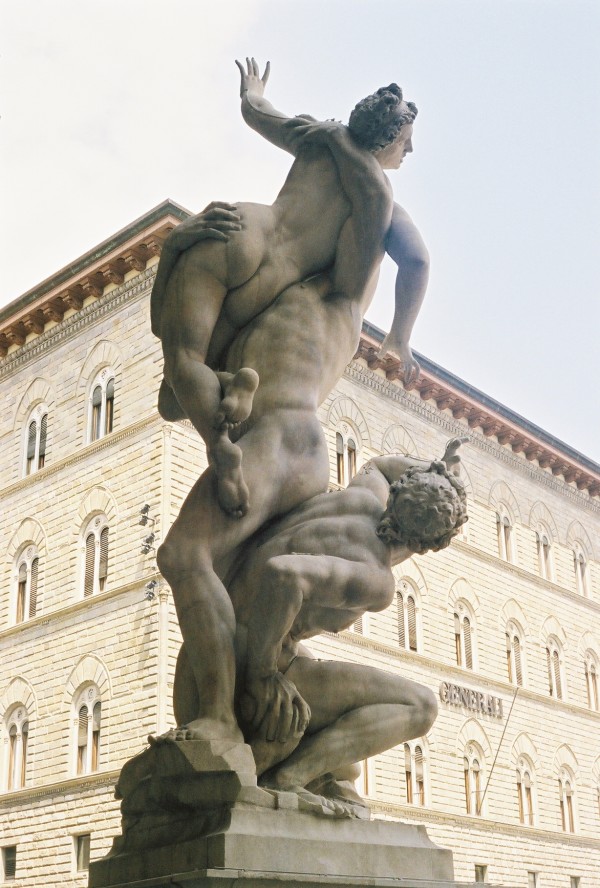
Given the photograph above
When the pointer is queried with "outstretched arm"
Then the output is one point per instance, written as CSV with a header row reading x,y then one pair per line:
x,y
259,113
405,245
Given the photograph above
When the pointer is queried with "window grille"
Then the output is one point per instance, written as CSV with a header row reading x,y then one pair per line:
x,y
414,774
513,656
525,796
27,585
17,725
591,681
565,790
37,435
9,862
102,406
88,731
95,568
407,618
473,784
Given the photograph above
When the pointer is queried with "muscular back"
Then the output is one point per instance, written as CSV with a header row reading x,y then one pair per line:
x,y
297,236
339,525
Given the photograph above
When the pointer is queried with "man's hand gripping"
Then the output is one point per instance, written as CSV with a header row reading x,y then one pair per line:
x,y
274,708
215,222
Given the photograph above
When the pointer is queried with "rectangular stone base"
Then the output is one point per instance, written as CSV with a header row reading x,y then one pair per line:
x,y
226,878
261,847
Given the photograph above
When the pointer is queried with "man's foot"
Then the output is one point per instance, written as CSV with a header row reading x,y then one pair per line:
x,y
200,729
236,405
168,405
232,492
314,802
342,791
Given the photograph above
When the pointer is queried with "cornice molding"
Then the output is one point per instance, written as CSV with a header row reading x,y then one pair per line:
x,y
483,824
55,617
69,327
103,267
106,779
463,676
536,579
84,453
363,370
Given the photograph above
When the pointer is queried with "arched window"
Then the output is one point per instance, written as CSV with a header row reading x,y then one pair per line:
x,y
464,636
514,654
95,566
36,435
27,572
17,725
566,796
407,616
544,553
581,571
414,773
101,405
88,716
505,535
474,783
554,667
346,452
591,680
525,792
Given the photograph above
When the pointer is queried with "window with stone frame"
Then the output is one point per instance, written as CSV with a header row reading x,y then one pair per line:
x,y
95,539
346,455
87,728
473,768
481,872
592,670
554,668
464,636
101,407
27,568
581,571
544,553
17,728
525,792
81,848
36,436
504,522
415,773
566,796
406,599
514,654
9,863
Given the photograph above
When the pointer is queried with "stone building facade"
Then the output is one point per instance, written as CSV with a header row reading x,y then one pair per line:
x,y
504,625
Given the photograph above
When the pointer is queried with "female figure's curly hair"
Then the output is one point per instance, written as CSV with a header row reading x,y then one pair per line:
x,y
425,509
377,120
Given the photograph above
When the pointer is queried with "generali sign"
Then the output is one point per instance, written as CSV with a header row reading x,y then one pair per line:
x,y
456,695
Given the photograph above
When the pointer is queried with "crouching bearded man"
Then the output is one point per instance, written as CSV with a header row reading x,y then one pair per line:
x,y
318,569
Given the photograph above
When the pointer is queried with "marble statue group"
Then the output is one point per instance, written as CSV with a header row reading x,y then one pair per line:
x,y
259,310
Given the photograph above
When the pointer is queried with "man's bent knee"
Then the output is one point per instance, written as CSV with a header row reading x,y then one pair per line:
x,y
176,561
426,709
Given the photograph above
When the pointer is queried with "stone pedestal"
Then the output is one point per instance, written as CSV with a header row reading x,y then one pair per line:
x,y
261,847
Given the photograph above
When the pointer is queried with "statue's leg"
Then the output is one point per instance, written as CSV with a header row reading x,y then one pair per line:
x,y
193,301
356,712
207,624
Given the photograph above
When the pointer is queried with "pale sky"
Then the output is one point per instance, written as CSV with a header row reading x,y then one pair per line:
x,y
108,108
